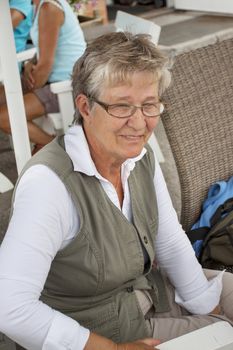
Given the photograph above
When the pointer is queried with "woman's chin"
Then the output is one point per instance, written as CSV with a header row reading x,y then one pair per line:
x,y
133,152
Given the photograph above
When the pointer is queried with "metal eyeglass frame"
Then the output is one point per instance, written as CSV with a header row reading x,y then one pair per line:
x,y
106,106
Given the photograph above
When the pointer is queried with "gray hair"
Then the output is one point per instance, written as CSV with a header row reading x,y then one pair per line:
x,y
112,59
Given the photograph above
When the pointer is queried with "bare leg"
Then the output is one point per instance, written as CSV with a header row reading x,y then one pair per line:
x,y
34,109
2,95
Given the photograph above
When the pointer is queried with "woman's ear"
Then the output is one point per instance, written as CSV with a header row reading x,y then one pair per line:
x,y
82,103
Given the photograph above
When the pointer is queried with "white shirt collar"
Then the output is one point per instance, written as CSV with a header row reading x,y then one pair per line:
x,y
78,150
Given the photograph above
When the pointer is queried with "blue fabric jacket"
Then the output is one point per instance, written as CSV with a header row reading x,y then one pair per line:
x,y
218,193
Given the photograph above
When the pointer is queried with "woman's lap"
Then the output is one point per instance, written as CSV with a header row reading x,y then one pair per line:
x,y
178,321
48,99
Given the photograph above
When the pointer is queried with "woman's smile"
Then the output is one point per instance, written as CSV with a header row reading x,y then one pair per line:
x,y
122,138
133,137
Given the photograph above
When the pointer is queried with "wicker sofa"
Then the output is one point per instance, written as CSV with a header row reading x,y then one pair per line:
x,y
198,117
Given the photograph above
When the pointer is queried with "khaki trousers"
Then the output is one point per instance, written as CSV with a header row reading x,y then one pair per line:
x,y
178,321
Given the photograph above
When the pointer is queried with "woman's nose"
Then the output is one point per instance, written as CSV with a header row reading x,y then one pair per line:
x,y
137,119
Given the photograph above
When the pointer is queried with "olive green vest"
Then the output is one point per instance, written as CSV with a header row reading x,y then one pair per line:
x,y
93,279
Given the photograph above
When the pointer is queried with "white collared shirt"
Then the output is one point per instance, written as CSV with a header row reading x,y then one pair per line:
x,y
45,220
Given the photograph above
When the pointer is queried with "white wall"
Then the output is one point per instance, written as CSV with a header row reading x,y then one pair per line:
x,y
223,6
170,3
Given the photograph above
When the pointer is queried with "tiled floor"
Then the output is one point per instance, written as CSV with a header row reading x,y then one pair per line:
x,y
178,27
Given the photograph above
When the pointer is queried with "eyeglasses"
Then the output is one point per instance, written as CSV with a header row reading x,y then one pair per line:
x,y
123,110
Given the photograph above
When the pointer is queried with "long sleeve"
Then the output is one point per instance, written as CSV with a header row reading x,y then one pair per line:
x,y
42,219
176,257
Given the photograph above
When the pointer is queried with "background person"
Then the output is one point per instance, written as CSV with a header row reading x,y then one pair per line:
x,y
59,40
21,16
93,226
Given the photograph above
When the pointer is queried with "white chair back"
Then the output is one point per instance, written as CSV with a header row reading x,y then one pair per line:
x,y
137,25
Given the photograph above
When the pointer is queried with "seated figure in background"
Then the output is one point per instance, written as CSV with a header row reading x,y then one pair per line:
x,y
21,16
59,41
94,257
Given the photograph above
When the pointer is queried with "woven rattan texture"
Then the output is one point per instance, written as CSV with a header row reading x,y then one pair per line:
x,y
199,122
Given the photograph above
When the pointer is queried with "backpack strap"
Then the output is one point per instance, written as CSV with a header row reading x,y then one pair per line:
x,y
222,210
197,234
200,234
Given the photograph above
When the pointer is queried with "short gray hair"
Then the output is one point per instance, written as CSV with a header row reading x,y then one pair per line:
x,y
112,59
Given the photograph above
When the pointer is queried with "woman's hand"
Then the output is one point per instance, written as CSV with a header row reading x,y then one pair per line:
x,y
217,310
97,342
27,77
35,75
39,74
144,344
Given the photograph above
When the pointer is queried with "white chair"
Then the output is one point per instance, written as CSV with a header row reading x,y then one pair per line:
x,y
21,57
136,25
63,89
5,183
52,123
26,55
123,22
8,68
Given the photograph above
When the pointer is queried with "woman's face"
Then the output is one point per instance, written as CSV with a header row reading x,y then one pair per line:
x,y
119,139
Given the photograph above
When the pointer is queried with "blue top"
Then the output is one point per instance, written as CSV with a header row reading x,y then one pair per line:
x,y
71,43
21,32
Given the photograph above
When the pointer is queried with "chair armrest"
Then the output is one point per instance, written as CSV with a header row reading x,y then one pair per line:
x,y
61,86
26,55
63,89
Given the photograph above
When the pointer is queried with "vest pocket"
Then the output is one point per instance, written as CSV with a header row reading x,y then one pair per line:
x,y
102,319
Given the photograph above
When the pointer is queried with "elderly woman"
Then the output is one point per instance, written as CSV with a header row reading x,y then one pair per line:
x,y
94,257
